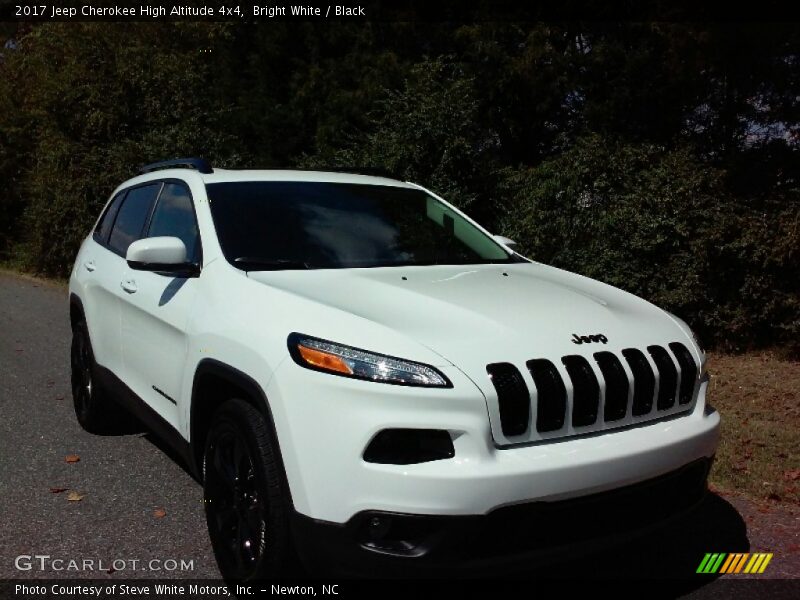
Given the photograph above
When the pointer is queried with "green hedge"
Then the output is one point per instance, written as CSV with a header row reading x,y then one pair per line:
x,y
661,224
621,152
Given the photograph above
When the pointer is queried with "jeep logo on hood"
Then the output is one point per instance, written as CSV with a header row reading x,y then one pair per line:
x,y
588,339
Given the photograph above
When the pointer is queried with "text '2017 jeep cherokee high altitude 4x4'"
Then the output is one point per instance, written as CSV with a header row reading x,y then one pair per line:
x,y
363,376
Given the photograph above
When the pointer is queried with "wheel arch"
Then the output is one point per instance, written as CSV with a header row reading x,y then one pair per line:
x,y
76,311
214,383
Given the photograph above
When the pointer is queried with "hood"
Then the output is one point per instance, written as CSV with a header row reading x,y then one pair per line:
x,y
478,314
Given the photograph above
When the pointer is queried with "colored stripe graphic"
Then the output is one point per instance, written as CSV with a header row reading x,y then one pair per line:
x,y
764,564
703,563
728,563
716,562
711,563
740,564
755,562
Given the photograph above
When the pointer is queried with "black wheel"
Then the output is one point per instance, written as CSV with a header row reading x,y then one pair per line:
x,y
95,411
246,508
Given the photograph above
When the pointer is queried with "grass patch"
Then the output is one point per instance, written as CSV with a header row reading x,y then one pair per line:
x,y
758,397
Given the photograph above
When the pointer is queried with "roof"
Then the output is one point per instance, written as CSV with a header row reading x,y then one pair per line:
x,y
230,175
241,175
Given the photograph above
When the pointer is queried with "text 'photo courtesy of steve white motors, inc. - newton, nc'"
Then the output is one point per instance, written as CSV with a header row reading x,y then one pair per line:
x,y
172,590
90,11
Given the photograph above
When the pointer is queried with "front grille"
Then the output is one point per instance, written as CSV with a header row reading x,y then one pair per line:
x,y
616,385
551,395
512,397
613,390
667,377
644,381
585,390
688,371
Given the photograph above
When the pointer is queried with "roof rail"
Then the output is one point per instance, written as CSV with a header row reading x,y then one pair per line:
x,y
199,164
374,171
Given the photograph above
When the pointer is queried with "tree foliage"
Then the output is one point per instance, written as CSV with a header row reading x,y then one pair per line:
x,y
659,157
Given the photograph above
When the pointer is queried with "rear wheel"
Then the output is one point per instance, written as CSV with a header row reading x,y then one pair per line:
x,y
95,411
246,510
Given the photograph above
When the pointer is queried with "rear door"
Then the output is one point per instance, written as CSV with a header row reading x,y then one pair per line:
x,y
157,309
123,223
98,270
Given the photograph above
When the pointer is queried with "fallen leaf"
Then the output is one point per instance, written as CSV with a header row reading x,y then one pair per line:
x,y
74,496
791,475
57,490
72,458
111,570
159,513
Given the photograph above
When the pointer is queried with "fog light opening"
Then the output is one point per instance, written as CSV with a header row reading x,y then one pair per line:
x,y
409,446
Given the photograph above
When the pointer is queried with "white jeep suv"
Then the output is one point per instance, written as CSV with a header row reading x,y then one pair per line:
x,y
363,377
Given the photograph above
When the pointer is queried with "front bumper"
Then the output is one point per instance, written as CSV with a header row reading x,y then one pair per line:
x,y
324,423
380,544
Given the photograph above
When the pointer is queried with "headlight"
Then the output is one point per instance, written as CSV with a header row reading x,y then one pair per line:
x,y
338,359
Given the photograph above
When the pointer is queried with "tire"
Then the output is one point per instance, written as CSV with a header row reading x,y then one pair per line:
x,y
96,412
244,495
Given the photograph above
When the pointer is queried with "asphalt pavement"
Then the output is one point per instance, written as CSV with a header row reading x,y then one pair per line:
x,y
123,480
135,512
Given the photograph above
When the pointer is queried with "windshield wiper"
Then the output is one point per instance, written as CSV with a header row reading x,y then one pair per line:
x,y
250,263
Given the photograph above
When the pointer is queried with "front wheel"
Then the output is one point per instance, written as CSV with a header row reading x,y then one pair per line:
x,y
246,508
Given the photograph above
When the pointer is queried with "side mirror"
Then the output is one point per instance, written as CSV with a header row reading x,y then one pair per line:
x,y
162,255
505,241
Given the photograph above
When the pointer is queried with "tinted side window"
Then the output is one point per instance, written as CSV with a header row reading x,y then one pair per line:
x,y
107,220
174,216
132,216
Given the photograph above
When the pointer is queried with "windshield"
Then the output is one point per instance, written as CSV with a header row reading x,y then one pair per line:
x,y
273,225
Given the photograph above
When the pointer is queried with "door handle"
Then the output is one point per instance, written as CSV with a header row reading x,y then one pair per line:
x,y
129,285
89,265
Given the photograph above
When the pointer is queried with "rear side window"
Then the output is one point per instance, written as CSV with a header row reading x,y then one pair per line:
x,y
107,220
132,216
174,216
